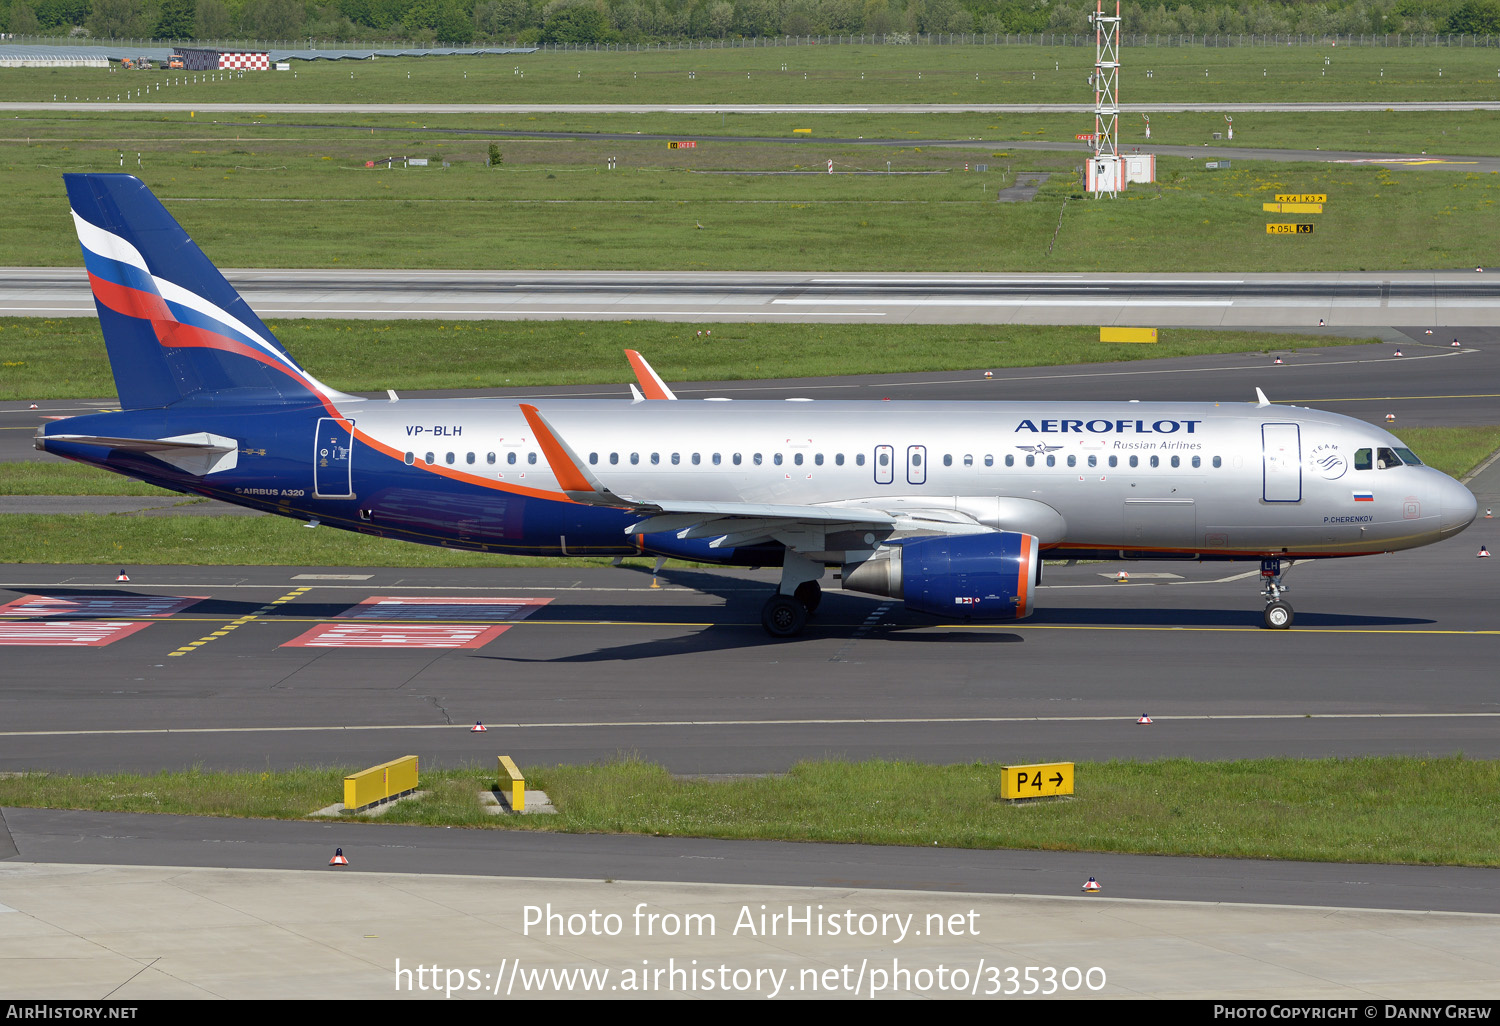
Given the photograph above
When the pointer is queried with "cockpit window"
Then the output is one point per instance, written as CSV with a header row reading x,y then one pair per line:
x,y
1385,458
1409,458
1362,459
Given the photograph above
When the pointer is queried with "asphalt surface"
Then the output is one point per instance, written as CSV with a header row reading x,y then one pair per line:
x,y
1457,299
1390,654
118,839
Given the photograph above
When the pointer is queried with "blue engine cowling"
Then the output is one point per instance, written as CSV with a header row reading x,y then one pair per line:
x,y
972,576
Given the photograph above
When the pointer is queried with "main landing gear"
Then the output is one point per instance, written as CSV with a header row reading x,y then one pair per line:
x,y
1278,615
785,613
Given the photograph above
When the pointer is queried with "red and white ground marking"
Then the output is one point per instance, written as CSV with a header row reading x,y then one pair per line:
x,y
99,605
67,633
394,629
415,635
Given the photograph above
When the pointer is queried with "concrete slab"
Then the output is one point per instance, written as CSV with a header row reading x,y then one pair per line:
x,y
128,933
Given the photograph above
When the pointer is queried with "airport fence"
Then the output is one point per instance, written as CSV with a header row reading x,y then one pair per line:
x,y
1078,39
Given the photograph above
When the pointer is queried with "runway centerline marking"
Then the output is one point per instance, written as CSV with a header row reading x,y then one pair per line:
x,y
819,722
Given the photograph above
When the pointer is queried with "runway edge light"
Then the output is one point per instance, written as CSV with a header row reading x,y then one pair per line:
x,y
1092,886
338,858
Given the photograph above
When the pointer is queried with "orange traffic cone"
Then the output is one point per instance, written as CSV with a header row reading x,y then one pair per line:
x,y
1144,719
1092,887
338,858
122,576
1484,552
478,728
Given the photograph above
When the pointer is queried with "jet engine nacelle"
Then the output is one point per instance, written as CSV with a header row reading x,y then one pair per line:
x,y
990,576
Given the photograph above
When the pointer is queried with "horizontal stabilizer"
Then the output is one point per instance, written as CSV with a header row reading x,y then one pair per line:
x,y
199,454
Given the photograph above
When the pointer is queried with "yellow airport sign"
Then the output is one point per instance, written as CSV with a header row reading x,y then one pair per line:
x,y
1302,197
1036,781
1289,229
1292,208
1127,334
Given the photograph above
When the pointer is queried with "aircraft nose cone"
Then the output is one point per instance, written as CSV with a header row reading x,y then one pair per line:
x,y
1458,505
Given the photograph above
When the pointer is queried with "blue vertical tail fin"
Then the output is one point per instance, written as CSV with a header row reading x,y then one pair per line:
x,y
174,328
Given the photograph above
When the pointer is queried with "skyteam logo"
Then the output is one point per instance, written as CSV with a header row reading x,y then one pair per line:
x,y
1328,462
1101,426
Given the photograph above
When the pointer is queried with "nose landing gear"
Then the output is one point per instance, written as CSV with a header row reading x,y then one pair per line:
x,y
1278,614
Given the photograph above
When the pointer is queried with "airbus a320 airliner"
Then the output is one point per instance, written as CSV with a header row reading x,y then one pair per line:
x,y
951,507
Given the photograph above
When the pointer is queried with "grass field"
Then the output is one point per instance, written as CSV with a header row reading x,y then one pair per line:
x,y
60,358
821,74
555,206
292,190
1440,811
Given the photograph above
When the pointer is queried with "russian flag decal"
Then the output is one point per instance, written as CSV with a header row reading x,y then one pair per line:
x,y
1364,496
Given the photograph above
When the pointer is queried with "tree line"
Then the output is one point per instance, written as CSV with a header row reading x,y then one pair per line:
x,y
637,21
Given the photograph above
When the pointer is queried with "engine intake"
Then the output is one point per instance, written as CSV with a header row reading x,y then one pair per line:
x,y
973,576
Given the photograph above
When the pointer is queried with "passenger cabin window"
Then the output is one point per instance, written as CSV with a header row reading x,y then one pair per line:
x,y
450,459
470,458
947,460
1176,462
614,458
755,459
593,458
776,459
968,459
655,458
1218,462
1114,461
697,458
1010,460
1072,461
1156,461
838,459
429,458
736,459
635,459
1051,461
1197,462
1093,461
818,460
989,461
859,460
1030,460
1135,461
510,458
489,458
676,458
797,459
410,458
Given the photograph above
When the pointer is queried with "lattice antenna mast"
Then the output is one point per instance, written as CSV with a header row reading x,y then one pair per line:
x,y
1106,81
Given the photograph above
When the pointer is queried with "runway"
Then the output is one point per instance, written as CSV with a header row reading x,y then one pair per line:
x,y
1438,300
